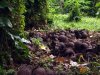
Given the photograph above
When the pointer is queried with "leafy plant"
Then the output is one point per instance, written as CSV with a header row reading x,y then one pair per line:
x,y
36,41
75,13
92,9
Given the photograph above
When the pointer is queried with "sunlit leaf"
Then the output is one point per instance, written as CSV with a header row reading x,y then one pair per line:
x,y
43,47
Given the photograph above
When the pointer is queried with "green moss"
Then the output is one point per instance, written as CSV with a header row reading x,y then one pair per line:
x,y
17,17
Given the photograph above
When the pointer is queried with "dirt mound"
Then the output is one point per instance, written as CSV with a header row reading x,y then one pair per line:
x,y
71,43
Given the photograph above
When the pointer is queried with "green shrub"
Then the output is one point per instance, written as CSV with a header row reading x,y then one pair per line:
x,y
91,7
75,13
68,5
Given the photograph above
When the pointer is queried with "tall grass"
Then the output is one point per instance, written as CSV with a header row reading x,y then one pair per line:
x,y
89,23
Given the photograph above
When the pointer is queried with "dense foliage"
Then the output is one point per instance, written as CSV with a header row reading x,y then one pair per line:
x,y
75,12
12,49
42,37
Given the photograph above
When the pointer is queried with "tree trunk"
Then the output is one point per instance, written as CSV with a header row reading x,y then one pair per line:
x,y
40,13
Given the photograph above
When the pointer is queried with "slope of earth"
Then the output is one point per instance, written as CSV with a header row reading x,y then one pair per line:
x,y
71,43
63,52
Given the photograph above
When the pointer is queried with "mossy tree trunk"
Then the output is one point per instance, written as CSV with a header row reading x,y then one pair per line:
x,y
40,13
17,17
11,20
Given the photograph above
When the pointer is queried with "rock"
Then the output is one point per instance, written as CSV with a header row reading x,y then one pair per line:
x,y
24,70
70,45
62,38
50,72
80,47
82,34
39,71
69,53
63,73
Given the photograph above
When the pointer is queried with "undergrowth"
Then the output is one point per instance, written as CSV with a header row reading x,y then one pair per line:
x,y
89,23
